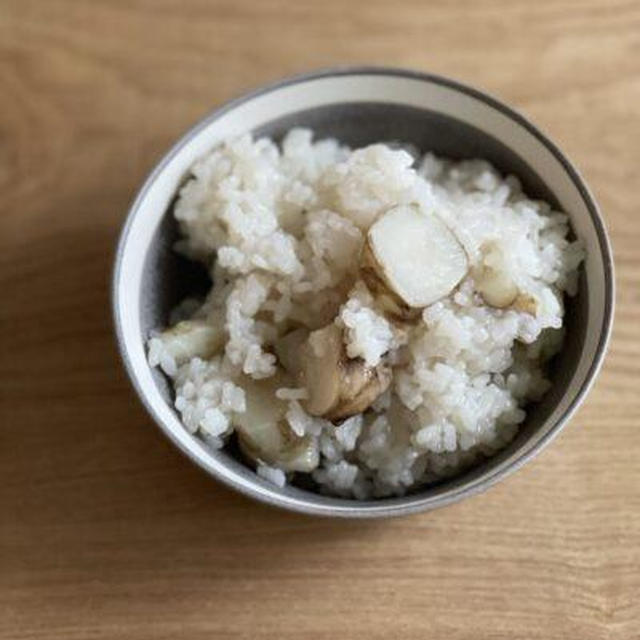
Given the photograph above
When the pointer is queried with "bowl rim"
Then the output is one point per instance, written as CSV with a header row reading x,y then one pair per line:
x,y
412,503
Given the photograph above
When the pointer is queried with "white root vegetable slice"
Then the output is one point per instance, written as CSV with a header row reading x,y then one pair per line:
x,y
492,278
320,369
338,386
361,386
264,435
193,338
415,255
391,304
526,303
496,285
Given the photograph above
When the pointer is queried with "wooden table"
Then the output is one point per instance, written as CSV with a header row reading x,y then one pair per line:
x,y
105,530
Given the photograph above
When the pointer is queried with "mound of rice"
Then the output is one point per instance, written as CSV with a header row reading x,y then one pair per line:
x,y
281,230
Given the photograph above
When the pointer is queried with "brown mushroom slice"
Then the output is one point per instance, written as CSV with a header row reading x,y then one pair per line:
x,y
264,434
192,338
415,255
338,386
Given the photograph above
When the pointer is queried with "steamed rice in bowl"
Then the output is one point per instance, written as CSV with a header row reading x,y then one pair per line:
x,y
330,343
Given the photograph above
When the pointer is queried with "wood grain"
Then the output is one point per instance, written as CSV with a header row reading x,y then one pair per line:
x,y
105,530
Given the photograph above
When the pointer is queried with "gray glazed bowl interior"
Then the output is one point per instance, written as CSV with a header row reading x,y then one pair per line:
x,y
165,278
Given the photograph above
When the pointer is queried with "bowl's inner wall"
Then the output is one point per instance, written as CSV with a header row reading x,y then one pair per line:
x,y
168,278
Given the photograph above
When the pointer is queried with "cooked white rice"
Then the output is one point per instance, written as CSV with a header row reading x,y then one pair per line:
x,y
281,230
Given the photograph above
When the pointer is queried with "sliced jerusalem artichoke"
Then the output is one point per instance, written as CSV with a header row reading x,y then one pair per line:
x,y
392,305
411,259
338,386
287,349
526,303
320,369
265,436
192,338
496,286
361,387
492,279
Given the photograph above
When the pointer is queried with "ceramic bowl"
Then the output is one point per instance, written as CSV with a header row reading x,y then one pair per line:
x,y
360,106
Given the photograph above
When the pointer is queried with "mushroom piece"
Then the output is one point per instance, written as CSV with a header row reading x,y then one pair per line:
x,y
192,338
410,260
264,434
338,386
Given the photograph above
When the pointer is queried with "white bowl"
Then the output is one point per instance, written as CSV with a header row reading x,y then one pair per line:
x,y
359,106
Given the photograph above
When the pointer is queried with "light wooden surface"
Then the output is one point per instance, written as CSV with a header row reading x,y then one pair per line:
x,y
105,530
